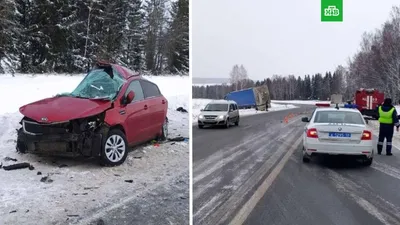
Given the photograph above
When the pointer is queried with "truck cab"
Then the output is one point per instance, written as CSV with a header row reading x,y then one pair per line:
x,y
368,100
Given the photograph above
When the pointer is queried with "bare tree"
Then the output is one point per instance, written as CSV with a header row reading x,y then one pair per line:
x,y
243,77
234,76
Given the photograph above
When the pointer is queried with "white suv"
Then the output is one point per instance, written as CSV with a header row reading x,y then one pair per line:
x,y
219,113
335,131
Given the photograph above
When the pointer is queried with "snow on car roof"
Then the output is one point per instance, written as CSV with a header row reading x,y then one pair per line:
x,y
222,101
340,109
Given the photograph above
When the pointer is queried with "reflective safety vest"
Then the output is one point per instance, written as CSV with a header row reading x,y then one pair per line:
x,y
386,117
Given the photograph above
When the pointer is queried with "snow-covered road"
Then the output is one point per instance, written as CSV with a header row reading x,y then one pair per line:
x,y
81,190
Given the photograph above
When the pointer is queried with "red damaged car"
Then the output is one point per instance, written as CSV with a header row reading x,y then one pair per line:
x,y
112,108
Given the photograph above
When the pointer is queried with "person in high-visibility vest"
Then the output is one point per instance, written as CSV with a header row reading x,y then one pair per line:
x,y
387,120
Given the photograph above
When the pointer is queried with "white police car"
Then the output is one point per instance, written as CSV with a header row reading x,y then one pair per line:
x,y
337,131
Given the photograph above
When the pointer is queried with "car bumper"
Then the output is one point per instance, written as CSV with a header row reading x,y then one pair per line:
x,y
365,148
215,122
67,144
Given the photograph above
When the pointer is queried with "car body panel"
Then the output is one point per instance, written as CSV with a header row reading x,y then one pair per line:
x,y
157,113
140,120
337,145
219,117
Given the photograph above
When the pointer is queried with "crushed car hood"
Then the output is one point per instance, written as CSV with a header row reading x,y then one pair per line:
x,y
63,108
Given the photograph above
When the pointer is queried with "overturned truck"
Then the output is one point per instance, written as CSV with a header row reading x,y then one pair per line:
x,y
256,97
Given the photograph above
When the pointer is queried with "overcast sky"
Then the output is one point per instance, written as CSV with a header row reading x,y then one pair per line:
x,y
278,37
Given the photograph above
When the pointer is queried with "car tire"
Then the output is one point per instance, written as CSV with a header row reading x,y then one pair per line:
x,y
21,146
227,124
114,149
306,158
237,122
368,162
164,130
200,126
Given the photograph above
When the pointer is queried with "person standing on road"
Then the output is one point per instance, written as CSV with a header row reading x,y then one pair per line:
x,y
387,120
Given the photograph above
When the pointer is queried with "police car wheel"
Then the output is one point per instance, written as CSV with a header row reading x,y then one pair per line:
x,y
306,158
368,162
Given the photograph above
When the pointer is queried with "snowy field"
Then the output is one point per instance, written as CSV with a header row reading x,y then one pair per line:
x,y
299,102
211,84
81,190
198,104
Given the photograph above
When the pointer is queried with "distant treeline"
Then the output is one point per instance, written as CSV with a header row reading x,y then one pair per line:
x,y
284,88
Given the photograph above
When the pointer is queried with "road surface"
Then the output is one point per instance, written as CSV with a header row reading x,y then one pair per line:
x,y
253,174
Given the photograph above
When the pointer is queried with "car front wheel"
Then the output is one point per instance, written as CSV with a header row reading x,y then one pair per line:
x,y
114,149
227,123
237,122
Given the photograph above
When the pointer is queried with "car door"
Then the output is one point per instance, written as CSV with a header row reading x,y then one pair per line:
x,y
137,119
157,110
235,108
231,112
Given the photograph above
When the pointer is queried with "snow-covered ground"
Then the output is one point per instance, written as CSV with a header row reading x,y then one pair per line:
x,y
198,104
299,102
211,84
82,190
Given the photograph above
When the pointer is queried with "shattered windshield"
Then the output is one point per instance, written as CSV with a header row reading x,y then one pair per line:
x,y
99,85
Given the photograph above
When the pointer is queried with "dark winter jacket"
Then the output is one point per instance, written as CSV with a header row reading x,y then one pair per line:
x,y
387,108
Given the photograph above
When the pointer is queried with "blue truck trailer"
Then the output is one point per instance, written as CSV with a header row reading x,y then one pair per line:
x,y
256,97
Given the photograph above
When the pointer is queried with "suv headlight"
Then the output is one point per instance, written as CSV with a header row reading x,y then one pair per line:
x,y
221,117
201,117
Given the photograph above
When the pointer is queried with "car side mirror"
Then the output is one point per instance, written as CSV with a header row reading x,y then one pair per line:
x,y
305,119
129,98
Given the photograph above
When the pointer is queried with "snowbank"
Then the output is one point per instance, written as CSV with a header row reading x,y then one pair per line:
x,y
83,187
300,102
211,84
198,104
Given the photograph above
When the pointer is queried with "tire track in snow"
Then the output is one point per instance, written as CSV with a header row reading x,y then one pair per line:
x,y
213,165
242,170
380,208
247,173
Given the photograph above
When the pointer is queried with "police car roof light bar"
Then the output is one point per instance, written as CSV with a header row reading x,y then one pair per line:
x,y
323,105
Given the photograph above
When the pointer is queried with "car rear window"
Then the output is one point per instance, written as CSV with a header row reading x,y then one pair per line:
x,y
338,116
150,90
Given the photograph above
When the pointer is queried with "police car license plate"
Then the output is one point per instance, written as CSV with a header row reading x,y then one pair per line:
x,y
340,135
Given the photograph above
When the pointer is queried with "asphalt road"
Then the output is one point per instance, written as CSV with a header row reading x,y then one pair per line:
x,y
253,174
